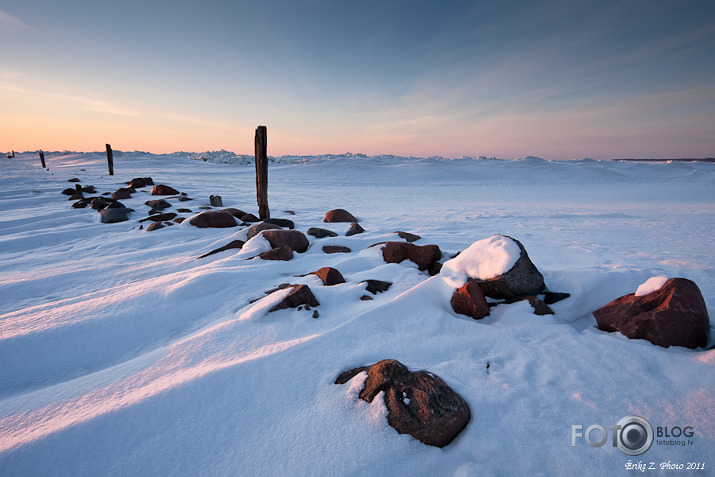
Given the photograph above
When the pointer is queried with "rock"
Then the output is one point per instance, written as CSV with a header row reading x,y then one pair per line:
x,y
216,201
674,315
228,246
301,295
336,249
155,226
159,217
330,276
408,236
418,403
292,238
339,215
289,212
74,179
82,203
99,203
321,233
250,218
179,220
354,229
315,314
288,224
115,204
183,197
213,218
139,182
76,196
377,286
89,189
366,298
121,193
238,213
184,211
469,300
162,189
424,256
205,207
284,253
540,308
70,191
523,279
260,227
554,297
112,215
158,204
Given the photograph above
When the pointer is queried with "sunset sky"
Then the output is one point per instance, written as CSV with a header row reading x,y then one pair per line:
x,y
560,79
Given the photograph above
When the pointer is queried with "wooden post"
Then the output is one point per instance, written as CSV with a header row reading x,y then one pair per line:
x,y
42,159
110,160
262,173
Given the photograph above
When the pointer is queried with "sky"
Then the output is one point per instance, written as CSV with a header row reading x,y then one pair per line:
x,y
559,79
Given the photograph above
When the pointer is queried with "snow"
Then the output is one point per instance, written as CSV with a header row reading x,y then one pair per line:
x,y
124,354
651,285
484,259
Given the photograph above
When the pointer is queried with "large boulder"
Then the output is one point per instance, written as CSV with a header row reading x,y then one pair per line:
x,y
418,403
213,218
162,189
339,215
673,315
501,266
469,300
295,239
424,256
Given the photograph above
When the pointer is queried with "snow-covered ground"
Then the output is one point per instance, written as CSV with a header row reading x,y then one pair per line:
x,y
121,353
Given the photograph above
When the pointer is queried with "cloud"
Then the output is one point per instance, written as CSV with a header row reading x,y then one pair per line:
x,y
12,24
85,103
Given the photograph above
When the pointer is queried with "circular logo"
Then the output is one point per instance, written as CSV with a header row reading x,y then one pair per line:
x,y
635,435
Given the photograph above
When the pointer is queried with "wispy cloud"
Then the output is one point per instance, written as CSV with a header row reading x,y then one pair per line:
x,y
88,104
11,23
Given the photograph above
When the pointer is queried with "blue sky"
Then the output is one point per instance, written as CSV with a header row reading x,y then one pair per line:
x,y
558,79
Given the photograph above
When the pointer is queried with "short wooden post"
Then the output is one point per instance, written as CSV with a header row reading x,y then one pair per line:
x,y
110,160
262,173
42,159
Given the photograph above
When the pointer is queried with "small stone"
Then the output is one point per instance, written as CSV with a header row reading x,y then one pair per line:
x,y
321,233
354,229
315,314
336,249
377,286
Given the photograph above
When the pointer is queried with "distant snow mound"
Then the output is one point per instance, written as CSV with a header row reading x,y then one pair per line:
x,y
532,160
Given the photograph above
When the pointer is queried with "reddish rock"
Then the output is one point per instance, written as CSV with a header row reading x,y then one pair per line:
x,y
330,276
258,228
321,233
419,404
339,215
424,256
284,253
122,193
336,249
164,190
469,300
250,218
301,295
292,238
139,182
674,315
155,226
213,218
238,213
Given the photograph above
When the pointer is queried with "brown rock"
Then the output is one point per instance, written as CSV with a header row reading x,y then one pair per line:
x,y
377,286
354,229
284,253
213,218
164,190
321,233
292,238
155,226
540,308
158,204
179,220
330,276
339,215
419,404
238,213
139,182
258,228
674,315
121,193
469,300
250,218
336,249
301,295
424,256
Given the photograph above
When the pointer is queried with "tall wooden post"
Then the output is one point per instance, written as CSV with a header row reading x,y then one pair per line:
x,y
110,160
262,173
42,159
